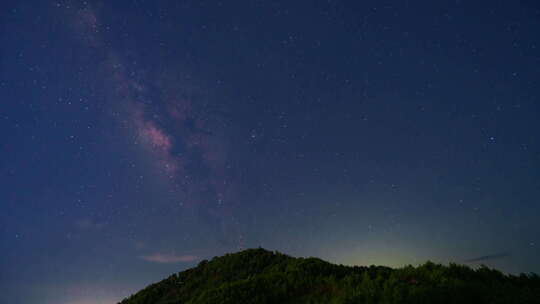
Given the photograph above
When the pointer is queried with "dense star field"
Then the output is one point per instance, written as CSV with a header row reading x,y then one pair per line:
x,y
141,137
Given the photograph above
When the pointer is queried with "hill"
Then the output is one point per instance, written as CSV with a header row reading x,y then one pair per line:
x,y
261,276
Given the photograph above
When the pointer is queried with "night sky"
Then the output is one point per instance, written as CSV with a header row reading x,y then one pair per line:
x,y
140,137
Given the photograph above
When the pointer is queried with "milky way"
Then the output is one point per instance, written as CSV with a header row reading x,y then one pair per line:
x,y
186,144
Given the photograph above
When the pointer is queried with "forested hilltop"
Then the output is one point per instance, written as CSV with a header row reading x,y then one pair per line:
x,y
261,276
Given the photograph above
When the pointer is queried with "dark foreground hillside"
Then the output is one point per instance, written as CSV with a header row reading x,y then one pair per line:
x,y
260,276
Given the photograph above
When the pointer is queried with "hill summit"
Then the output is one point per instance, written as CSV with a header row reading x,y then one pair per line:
x,y
261,276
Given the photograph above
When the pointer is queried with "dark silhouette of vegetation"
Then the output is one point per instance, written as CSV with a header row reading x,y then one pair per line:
x,y
261,276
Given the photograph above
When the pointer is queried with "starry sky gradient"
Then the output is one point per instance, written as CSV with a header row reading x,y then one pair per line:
x,y
140,137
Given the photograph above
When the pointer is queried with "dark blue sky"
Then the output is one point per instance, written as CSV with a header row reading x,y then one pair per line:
x,y
139,137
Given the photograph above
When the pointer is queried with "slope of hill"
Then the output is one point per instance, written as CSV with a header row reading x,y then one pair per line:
x,y
261,276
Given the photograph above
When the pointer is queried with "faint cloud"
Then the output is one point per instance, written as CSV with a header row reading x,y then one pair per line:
x,y
169,258
92,301
88,224
488,257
